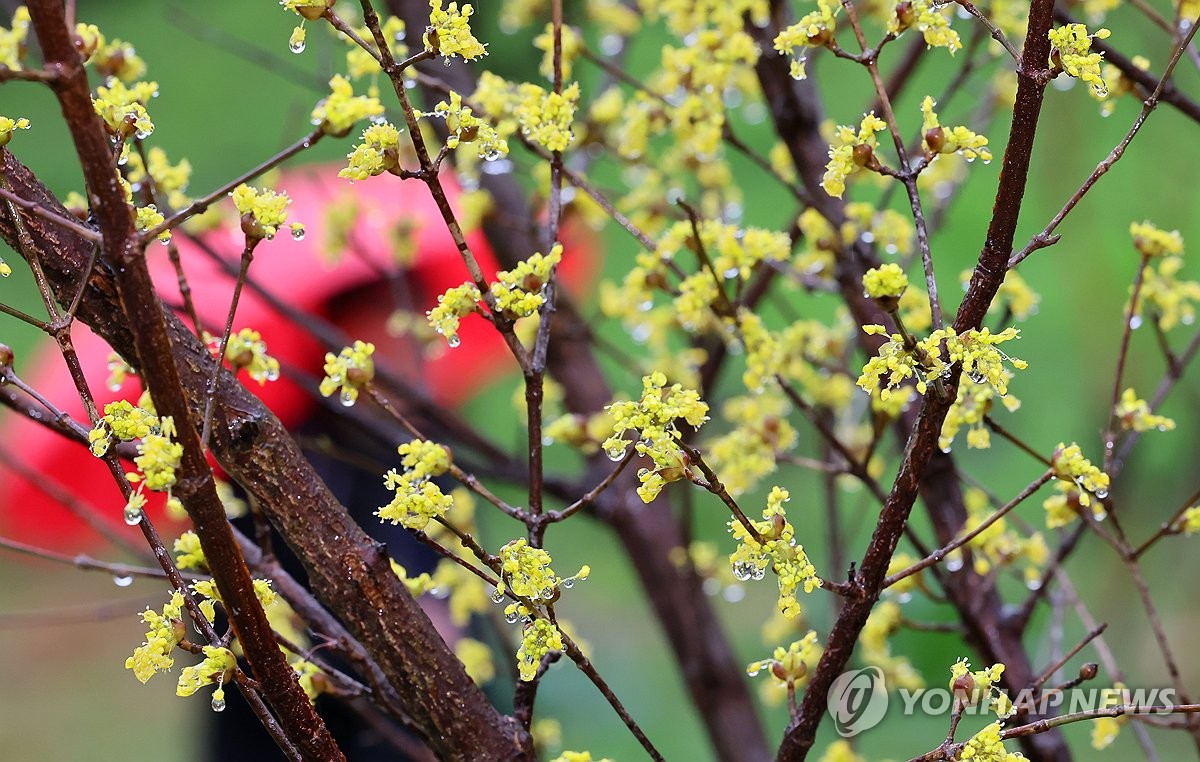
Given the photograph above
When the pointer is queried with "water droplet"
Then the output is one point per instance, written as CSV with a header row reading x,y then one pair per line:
x,y
611,44
753,671
120,581
142,134
272,374
742,571
496,595
758,573
1135,322
1100,515
617,456
347,398
734,593
296,46
114,387
218,704
1033,583
133,516
298,233
441,593
568,583
732,272
1101,493
954,563
453,340
511,617
711,586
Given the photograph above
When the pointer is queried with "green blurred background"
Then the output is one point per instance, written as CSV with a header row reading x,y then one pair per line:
x,y
66,634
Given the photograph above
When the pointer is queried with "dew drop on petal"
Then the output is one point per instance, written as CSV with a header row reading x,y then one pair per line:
x,y
298,233
496,595
296,46
347,399
133,516
511,617
453,340
120,581
218,704
568,583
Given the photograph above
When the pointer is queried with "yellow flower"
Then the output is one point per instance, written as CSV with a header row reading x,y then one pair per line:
x,y
263,211
378,152
778,551
337,113
12,41
1134,413
350,370
451,308
449,32
7,126
814,30
938,139
519,292
929,20
546,117
851,152
246,349
538,638
166,630
465,127
1070,51
885,282
188,553
1152,242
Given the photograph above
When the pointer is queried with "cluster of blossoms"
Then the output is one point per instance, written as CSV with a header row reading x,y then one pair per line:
x,y
350,370
464,126
850,152
451,308
791,666
123,108
337,113
938,139
814,30
777,551
538,638
1133,414
165,631
246,349
979,687
997,546
449,32
971,406
1188,522
307,10
749,451
885,284
520,292
157,458
981,360
263,211
1070,51
988,746
378,152
8,126
1150,241
418,499
928,18
546,117
654,417
1079,481
218,667
188,553
885,619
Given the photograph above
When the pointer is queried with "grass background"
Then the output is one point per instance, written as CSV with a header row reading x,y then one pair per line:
x,y
66,634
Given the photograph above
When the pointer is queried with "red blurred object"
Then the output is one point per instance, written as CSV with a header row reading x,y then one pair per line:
x,y
352,295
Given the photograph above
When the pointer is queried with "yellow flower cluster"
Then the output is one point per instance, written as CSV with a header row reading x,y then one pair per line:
x,y
449,32
263,211
526,571
360,62
125,421
518,292
350,370
654,416
1118,84
337,113
1168,297
885,282
938,139
997,546
378,152
1150,241
166,630
476,657
147,217
1070,51
1189,522
927,18
851,152
170,181
975,349
188,553
546,117
791,666
218,667
987,746
123,108
417,500
8,125
884,620
158,457
110,59
538,638
747,453
971,688
814,30
246,349
1133,413
452,307
972,403
1071,467
12,41
778,551
464,127
571,45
